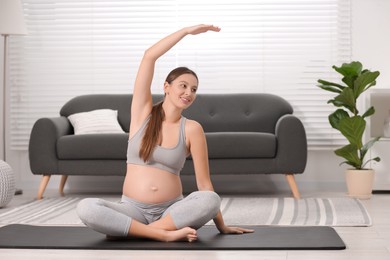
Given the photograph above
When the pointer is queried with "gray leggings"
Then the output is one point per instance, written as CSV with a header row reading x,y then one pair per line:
x,y
114,218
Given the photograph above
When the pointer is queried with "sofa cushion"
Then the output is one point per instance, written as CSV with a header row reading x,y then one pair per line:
x,y
99,121
114,146
92,146
241,145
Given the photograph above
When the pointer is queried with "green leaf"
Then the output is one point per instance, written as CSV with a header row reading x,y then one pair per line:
x,y
335,117
353,128
347,99
349,69
336,103
367,146
377,159
350,154
369,112
327,84
329,88
349,80
364,81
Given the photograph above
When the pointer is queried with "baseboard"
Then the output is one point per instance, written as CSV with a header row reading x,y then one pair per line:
x,y
381,192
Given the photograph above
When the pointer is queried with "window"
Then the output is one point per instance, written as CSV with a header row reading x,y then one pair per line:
x,y
82,47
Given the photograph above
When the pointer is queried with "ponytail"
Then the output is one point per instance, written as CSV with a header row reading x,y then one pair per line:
x,y
152,132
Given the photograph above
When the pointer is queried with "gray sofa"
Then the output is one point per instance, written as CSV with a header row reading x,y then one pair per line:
x,y
246,134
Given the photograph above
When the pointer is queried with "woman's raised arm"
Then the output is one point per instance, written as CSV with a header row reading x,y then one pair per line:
x,y
142,97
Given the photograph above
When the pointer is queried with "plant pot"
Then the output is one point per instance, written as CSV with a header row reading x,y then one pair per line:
x,y
359,183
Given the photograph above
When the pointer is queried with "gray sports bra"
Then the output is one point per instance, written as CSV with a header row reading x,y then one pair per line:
x,y
167,159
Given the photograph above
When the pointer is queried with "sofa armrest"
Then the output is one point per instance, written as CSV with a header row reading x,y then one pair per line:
x,y
43,140
291,154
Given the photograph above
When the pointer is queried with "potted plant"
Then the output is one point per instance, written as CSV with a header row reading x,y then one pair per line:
x,y
352,124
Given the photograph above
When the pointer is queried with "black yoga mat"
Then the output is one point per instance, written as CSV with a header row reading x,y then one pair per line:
x,y
264,238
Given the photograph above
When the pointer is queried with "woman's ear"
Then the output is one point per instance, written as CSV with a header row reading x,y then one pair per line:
x,y
166,88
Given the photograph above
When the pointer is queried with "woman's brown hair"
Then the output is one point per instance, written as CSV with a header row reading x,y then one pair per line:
x,y
157,116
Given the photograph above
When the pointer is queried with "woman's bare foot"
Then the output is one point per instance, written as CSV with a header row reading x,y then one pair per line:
x,y
184,234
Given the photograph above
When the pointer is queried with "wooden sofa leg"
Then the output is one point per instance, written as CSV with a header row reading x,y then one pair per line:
x,y
42,187
293,185
62,184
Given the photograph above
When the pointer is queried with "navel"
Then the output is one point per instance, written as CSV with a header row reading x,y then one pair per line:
x,y
154,188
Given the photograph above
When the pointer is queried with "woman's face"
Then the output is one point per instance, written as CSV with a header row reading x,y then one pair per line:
x,y
182,90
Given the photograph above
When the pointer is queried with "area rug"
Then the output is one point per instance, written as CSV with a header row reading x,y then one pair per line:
x,y
264,238
336,212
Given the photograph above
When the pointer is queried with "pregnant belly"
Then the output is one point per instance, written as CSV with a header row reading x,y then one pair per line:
x,y
151,185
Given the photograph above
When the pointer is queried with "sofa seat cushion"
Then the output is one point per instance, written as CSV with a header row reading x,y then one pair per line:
x,y
92,146
221,145
230,145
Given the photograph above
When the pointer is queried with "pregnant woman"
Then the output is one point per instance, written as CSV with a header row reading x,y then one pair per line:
x,y
160,139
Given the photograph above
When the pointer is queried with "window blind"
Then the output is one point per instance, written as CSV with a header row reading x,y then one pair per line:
x,y
76,47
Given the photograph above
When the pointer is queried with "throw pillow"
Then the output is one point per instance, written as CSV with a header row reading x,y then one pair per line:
x,y
96,122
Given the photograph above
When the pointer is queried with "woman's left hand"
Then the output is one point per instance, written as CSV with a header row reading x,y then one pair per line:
x,y
202,28
235,230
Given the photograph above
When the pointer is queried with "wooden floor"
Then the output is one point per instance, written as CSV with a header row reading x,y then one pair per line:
x,y
371,243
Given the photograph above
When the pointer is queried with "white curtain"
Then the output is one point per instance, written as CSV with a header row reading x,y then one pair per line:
x,y
76,47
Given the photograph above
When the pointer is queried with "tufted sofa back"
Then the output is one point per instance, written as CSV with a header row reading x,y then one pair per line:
x,y
255,112
238,112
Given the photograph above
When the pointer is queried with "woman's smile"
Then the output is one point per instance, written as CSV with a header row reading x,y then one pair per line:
x,y
186,100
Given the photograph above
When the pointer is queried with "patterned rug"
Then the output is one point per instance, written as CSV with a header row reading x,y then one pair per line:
x,y
236,211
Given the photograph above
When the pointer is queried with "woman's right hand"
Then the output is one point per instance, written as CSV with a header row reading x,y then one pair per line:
x,y
202,28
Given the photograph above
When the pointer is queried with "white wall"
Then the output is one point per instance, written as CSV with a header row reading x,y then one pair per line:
x,y
370,38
